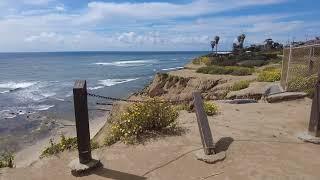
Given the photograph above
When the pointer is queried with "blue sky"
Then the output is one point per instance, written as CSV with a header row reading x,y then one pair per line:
x,y
137,25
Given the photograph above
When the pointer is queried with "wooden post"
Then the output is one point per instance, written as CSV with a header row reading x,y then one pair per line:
x,y
204,128
314,124
82,121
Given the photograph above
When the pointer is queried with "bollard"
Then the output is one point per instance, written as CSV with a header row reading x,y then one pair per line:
x,y
85,161
204,128
82,120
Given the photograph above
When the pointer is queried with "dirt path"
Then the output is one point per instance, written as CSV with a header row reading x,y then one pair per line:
x,y
261,139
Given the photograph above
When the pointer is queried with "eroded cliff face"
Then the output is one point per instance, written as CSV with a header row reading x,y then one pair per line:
x,y
180,88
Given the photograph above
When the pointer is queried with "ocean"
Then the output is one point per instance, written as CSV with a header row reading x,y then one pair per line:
x,y
36,88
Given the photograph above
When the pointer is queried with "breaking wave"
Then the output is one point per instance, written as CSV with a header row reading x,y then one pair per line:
x,y
126,63
175,68
112,82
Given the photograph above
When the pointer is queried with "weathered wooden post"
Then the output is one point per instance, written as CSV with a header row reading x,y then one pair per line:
x,y
82,120
204,128
314,123
85,161
208,153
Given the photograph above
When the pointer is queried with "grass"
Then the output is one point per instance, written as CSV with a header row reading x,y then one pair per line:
x,y
66,143
6,160
140,120
269,74
240,85
232,70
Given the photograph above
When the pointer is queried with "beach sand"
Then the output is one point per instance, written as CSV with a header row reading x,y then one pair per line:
x,y
30,153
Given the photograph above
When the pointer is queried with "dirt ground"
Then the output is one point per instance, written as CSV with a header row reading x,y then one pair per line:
x,y
260,139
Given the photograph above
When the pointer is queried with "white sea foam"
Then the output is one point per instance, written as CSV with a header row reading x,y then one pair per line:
x,y
126,63
6,114
2,92
16,85
95,88
175,68
42,107
112,82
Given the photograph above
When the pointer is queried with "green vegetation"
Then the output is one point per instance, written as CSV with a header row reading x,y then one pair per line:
x,y
66,143
252,59
210,108
232,70
240,85
6,160
269,74
252,63
202,60
306,84
142,119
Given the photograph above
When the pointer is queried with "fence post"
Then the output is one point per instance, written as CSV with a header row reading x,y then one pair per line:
x,y
314,123
204,128
310,61
82,121
290,56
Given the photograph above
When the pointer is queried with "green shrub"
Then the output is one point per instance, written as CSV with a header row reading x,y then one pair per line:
x,y
203,60
306,84
66,143
232,70
140,119
196,61
269,74
240,85
181,107
210,108
6,160
252,63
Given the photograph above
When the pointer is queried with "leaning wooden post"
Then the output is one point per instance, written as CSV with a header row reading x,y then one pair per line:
x,y
204,128
82,121
314,124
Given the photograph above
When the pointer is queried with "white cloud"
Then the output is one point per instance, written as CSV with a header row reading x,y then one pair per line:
x,y
156,26
100,11
44,36
60,7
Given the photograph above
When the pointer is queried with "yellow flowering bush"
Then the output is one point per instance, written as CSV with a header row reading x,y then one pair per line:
x,y
306,84
269,74
210,108
139,119
6,160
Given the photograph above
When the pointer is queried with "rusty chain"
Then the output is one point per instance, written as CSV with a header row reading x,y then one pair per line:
x,y
136,101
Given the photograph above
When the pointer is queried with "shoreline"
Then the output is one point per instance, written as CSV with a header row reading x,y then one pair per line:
x,y
29,154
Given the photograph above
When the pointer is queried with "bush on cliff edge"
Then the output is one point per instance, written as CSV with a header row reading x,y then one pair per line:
x,y
142,119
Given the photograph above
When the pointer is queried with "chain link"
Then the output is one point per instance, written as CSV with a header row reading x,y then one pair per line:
x,y
135,101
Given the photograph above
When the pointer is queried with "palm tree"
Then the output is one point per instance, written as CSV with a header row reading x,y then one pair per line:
x,y
241,39
213,44
216,39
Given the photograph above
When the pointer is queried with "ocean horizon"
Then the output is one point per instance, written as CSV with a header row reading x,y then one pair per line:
x,y
36,87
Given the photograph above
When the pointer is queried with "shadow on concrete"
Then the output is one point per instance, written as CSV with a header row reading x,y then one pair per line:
x,y
110,174
113,174
223,144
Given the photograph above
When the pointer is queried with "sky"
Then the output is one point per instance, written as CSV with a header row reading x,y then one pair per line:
x,y
151,25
